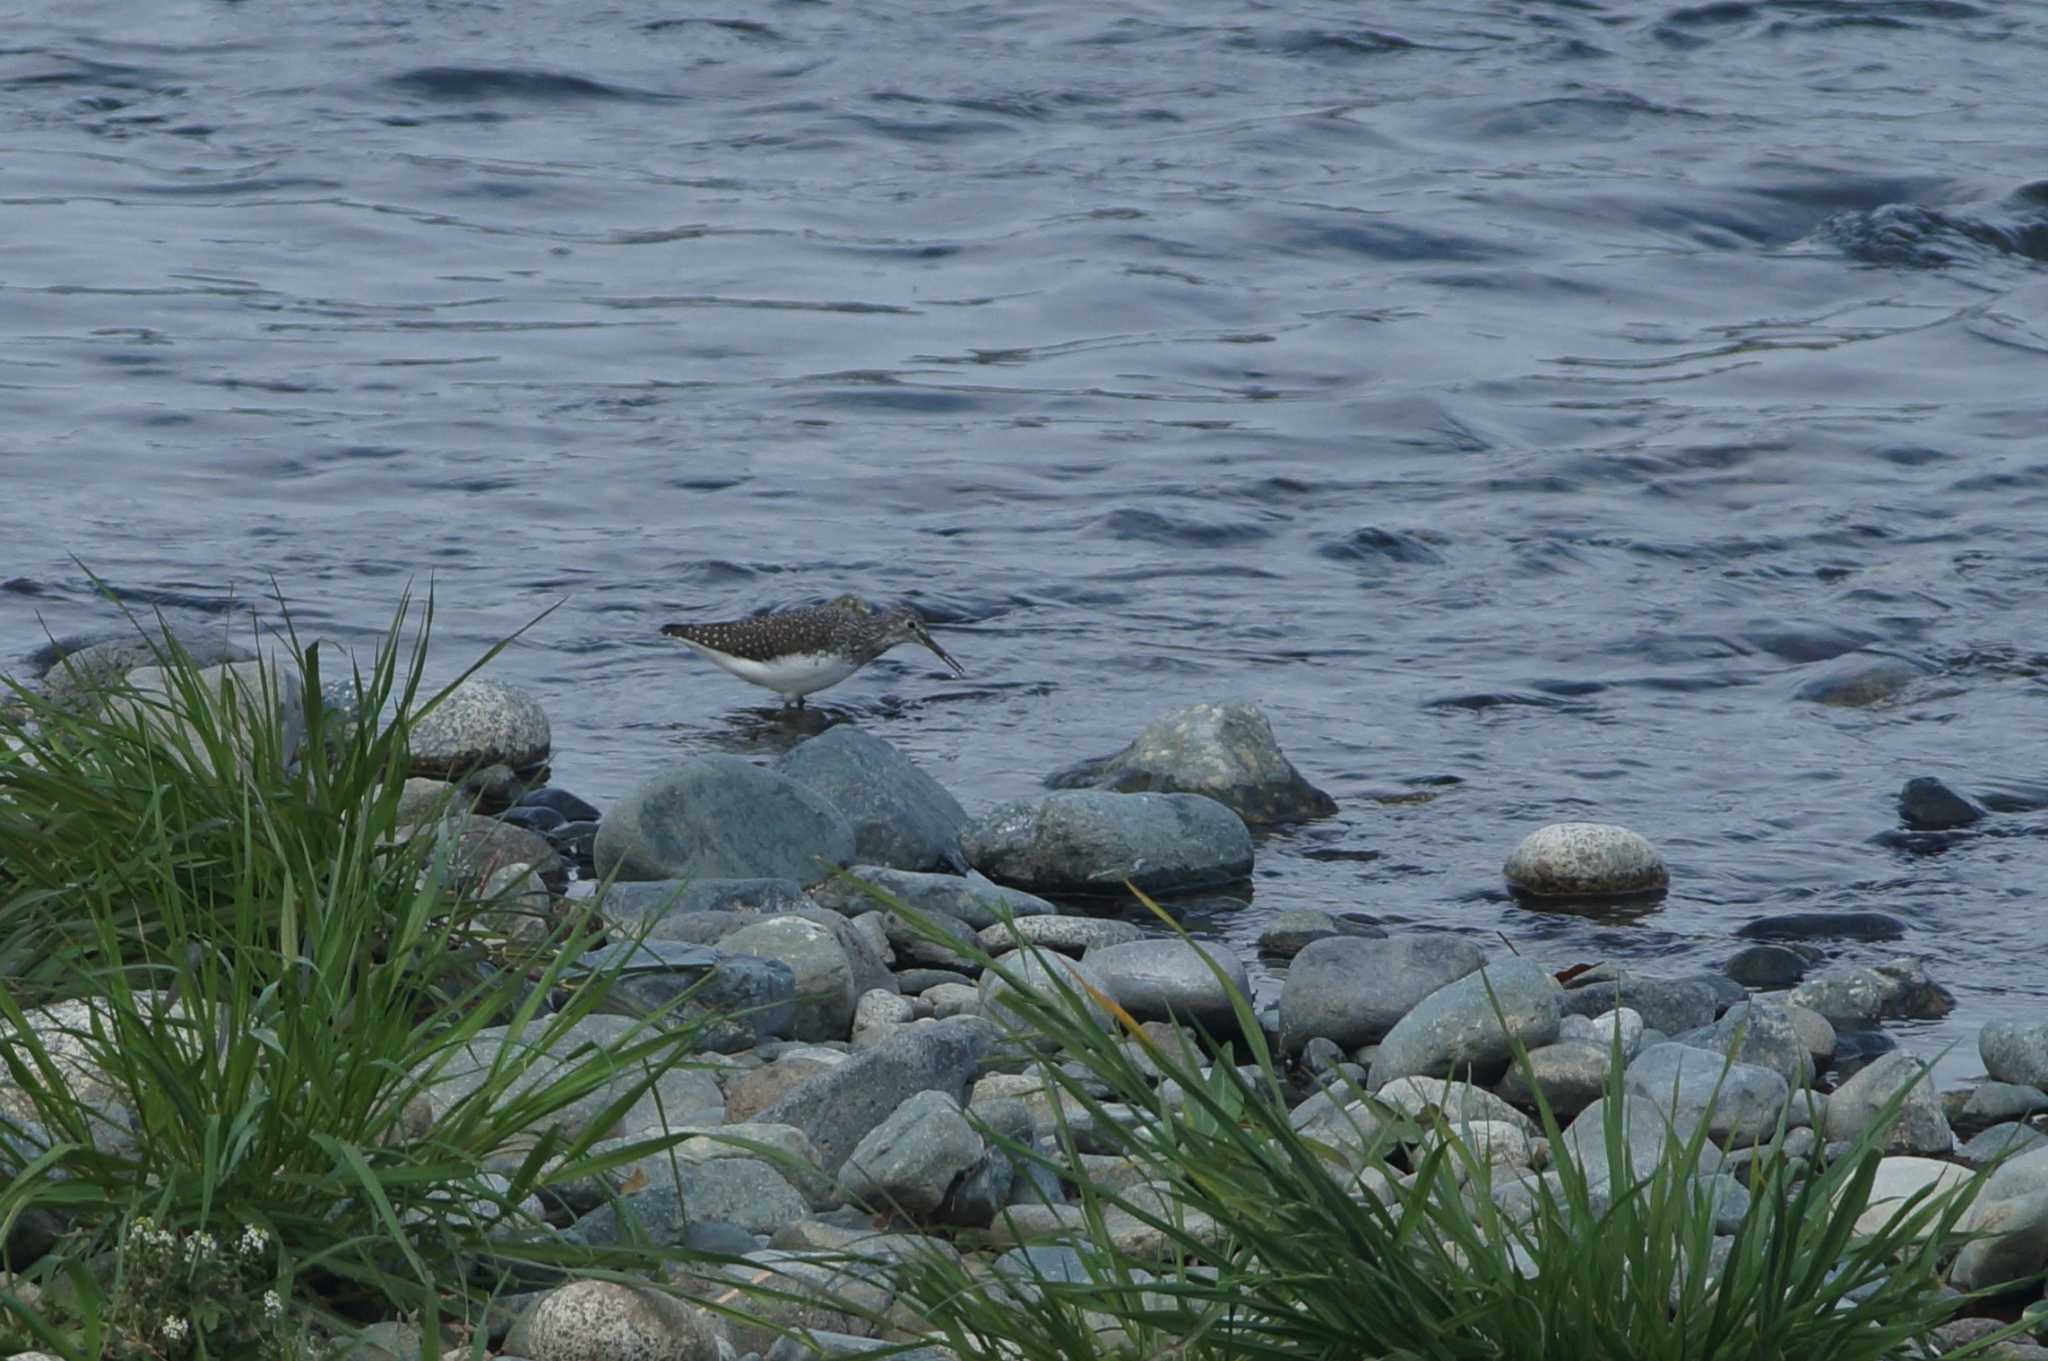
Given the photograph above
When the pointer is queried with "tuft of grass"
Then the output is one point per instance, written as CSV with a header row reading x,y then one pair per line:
x,y
1279,1246
239,996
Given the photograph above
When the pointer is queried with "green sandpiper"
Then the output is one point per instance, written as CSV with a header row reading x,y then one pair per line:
x,y
799,652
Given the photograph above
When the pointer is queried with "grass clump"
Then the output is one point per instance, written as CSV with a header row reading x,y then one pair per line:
x,y
1388,1234
265,1076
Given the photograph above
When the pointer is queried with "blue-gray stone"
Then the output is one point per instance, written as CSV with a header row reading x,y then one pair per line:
x,y
1472,1025
722,817
838,1107
901,816
1171,979
972,898
1354,989
1738,1101
738,1000
627,903
1089,841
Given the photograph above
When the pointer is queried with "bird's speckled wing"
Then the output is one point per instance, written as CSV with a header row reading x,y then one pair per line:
x,y
768,637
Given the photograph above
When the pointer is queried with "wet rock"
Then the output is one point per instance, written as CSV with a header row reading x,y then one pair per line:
x,y
1083,841
589,1320
1856,1046
1824,926
1989,1103
910,1162
1898,989
826,986
1672,1005
1068,935
1287,933
79,674
838,1107
1572,1075
1921,1127
540,820
1469,1024
721,817
972,898
1861,681
1585,859
1354,990
1225,752
901,817
1739,1102
1173,980
1766,966
480,723
737,1000
1928,805
480,849
2015,1051
559,801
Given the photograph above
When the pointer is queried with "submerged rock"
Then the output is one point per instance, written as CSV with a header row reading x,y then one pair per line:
x,y
1222,751
1088,841
1861,681
1928,805
722,817
1585,859
901,817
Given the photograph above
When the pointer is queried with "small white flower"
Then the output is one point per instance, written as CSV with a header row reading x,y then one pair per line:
x,y
253,1242
202,1244
273,1307
174,1328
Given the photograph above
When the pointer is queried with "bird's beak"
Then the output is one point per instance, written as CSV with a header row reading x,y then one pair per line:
x,y
944,656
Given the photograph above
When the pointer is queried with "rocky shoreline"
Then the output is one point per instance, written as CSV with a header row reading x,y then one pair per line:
x,y
859,1090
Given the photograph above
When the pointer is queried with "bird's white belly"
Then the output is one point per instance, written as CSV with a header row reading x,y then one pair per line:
x,y
800,673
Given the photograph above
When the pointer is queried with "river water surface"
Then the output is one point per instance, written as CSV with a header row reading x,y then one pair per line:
x,y
1519,401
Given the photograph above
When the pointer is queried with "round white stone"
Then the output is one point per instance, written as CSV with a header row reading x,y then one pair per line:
x,y
1575,859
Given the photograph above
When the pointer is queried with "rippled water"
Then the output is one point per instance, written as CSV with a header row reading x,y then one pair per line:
x,y
1520,401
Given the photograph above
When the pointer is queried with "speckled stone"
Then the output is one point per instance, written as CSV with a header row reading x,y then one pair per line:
x,y
1580,859
607,1321
480,723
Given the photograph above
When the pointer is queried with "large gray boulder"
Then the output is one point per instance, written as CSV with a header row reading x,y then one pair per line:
x,y
722,817
628,906
1170,979
1739,1102
911,1162
256,707
1088,841
1472,1024
1921,1126
1352,990
1222,751
825,964
971,898
480,723
901,817
839,1106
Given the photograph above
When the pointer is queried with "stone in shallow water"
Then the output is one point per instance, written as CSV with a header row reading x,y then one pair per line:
x,y
722,817
901,816
1585,859
1288,933
480,723
1861,681
1088,841
2015,1051
83,667
1824,926
1928,805
1766,966
1223,751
